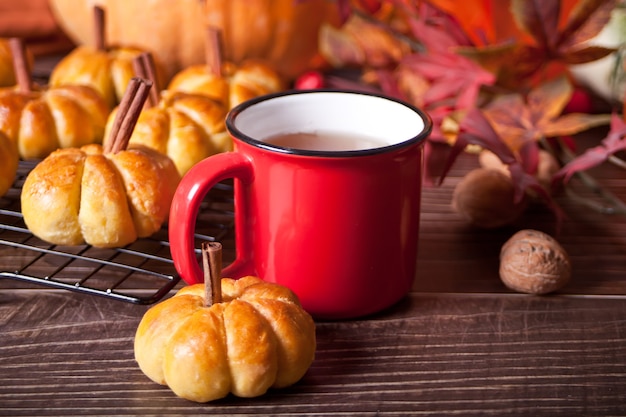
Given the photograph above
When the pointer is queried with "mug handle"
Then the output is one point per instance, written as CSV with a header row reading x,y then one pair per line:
x,y
189,194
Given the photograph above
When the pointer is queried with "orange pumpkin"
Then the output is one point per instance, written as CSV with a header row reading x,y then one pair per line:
x,y
257,338
283,32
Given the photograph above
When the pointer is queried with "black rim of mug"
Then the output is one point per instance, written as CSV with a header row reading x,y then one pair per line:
x,y
236,132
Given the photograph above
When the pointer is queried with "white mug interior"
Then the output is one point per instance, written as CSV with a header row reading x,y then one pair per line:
x,y
392,122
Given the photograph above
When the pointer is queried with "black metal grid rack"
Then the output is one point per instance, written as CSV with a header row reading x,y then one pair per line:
x,y
141,272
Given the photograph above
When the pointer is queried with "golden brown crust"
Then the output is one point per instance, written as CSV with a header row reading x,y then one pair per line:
x,y
187,143
156,328
91,102
198,370
250,79
42,121
152,129
86,66
81,195
11,105
121,58
150,181
186,127
196,79
37,133
251,348
104,214
258,337
50,197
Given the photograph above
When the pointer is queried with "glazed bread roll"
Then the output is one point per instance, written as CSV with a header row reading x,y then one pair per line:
x,y
107,71
251,79
82,195
185,127
40,122
258,337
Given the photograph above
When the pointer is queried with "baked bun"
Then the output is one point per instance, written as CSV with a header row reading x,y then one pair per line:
x,y
83,195
107,71
185,127
40,122
258,337
252,78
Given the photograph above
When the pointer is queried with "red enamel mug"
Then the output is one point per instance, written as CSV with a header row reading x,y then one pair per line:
x,y
339,227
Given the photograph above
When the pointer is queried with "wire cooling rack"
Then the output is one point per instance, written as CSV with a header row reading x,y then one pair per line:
x,y
140,273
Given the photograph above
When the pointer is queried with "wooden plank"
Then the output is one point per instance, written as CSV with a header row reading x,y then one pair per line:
x,y
482,354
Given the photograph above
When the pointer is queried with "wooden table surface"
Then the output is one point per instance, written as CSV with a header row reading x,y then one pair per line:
x,y
459,344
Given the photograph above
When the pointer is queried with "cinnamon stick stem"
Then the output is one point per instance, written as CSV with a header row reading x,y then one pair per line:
x,y
213,51
212,268
129,122
20,65
144,67
127,114
122,109
99,17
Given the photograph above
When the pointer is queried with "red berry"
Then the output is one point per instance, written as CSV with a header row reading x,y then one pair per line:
x,y
580,102
309,80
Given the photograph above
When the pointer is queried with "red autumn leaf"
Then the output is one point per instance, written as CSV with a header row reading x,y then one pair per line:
x,y
474,17
360,43
540,19
339,48
434,29
370,6
585,21
548,42
451,77
539,114
476,129
614,142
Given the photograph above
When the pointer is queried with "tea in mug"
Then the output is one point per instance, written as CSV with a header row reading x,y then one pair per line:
x,y
325,141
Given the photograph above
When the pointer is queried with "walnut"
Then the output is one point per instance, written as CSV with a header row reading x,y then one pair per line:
x,y
485,198
533,262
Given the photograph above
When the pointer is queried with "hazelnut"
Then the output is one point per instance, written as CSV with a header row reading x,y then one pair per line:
x,y
488,159
533,262
547,166
485,198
